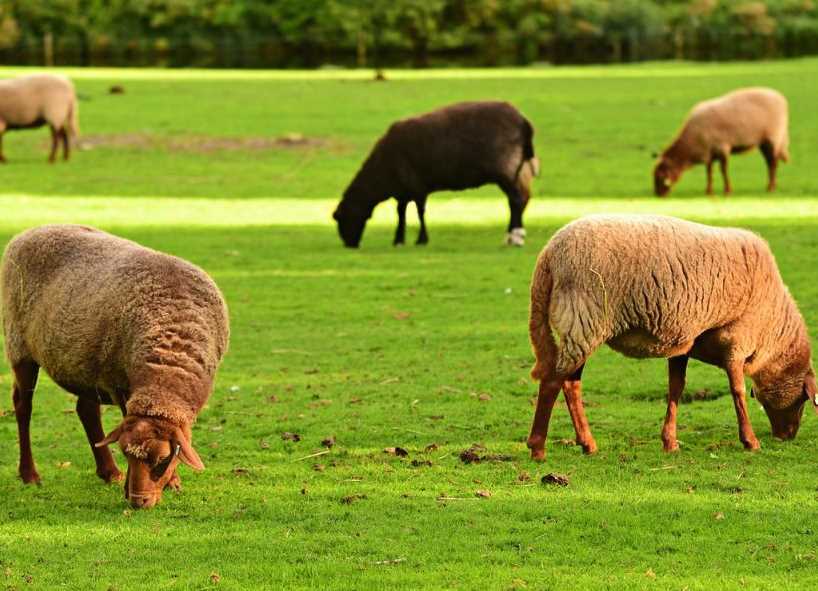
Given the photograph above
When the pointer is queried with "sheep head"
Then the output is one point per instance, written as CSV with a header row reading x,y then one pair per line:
x,y
154,447
665,175
784,404
351,219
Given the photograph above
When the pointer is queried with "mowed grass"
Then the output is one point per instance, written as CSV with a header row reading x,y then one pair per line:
x,y
387,347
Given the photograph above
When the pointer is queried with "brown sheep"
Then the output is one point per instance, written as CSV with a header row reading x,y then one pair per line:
x,y
457,147
113,322
36,100
731,124
654,286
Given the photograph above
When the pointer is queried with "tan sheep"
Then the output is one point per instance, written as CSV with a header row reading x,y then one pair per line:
x,y
731,124
653,286
113,323
40,99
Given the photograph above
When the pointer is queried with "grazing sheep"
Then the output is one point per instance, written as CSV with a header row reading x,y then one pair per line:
x,y
113,322
37,100
653,286
457,147
731,124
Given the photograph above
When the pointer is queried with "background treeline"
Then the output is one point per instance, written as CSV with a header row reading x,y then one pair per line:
x,y
309,33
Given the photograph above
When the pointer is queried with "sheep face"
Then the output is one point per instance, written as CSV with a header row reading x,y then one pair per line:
x,y
154,448
351,222
785,419
664,177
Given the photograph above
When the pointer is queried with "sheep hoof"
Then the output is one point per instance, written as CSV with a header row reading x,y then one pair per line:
x,y
752,445
30,477
175,483
516,237
111,476
536,443
669,447
589,448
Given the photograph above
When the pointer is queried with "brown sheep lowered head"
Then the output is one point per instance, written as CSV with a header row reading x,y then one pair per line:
x,y
784,412
665,175
153,447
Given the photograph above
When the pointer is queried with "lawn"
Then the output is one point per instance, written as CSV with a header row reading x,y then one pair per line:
x,y
408,347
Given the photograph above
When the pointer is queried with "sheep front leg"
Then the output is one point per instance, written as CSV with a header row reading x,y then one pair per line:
x,y
735,374
88,412
25,380
572,388
676,370
66,145
400,232
549,390
709,189
423,237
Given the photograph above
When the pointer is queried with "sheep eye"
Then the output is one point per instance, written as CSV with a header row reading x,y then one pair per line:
x,y
160,467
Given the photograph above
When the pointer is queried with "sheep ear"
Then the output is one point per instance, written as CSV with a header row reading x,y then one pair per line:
x,y
811,389
185,452
112,437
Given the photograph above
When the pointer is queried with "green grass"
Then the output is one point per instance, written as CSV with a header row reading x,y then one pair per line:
x,y
387,347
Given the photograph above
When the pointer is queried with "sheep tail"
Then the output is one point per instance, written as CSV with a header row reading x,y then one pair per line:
x,y
528,151
539,325
74,119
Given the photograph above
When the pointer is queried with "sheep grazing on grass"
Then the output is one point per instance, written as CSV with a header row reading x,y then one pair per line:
x,y
457,147
731,124
40,99
113,322
652,286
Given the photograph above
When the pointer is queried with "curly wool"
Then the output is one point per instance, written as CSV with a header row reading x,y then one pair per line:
x,y
106,316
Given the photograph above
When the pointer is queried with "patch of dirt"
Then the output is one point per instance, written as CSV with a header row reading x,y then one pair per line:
x,y
472,455
200,144
555,479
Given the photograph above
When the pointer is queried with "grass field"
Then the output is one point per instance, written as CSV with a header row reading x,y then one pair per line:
x,y
407,347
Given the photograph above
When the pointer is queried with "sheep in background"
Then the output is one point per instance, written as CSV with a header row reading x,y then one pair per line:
x,y
653,286
113,322
40,99
731,124
461,146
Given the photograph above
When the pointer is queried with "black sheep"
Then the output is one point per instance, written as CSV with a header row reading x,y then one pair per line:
x,y
461,146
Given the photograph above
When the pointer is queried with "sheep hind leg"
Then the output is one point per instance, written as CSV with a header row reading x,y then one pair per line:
x,y
400,232
723,164
2,157
768,151
66,145
55,138
676,369
572,387
88,412
709,189
25,380
517,200
549,390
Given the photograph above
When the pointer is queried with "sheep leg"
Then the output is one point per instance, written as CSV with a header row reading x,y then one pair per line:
x,y
709,189
549,390
88,412
400,233
572,388
25,380
2,157
423,237
723,163
676,370
55,136
735,374
772,164
66,147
